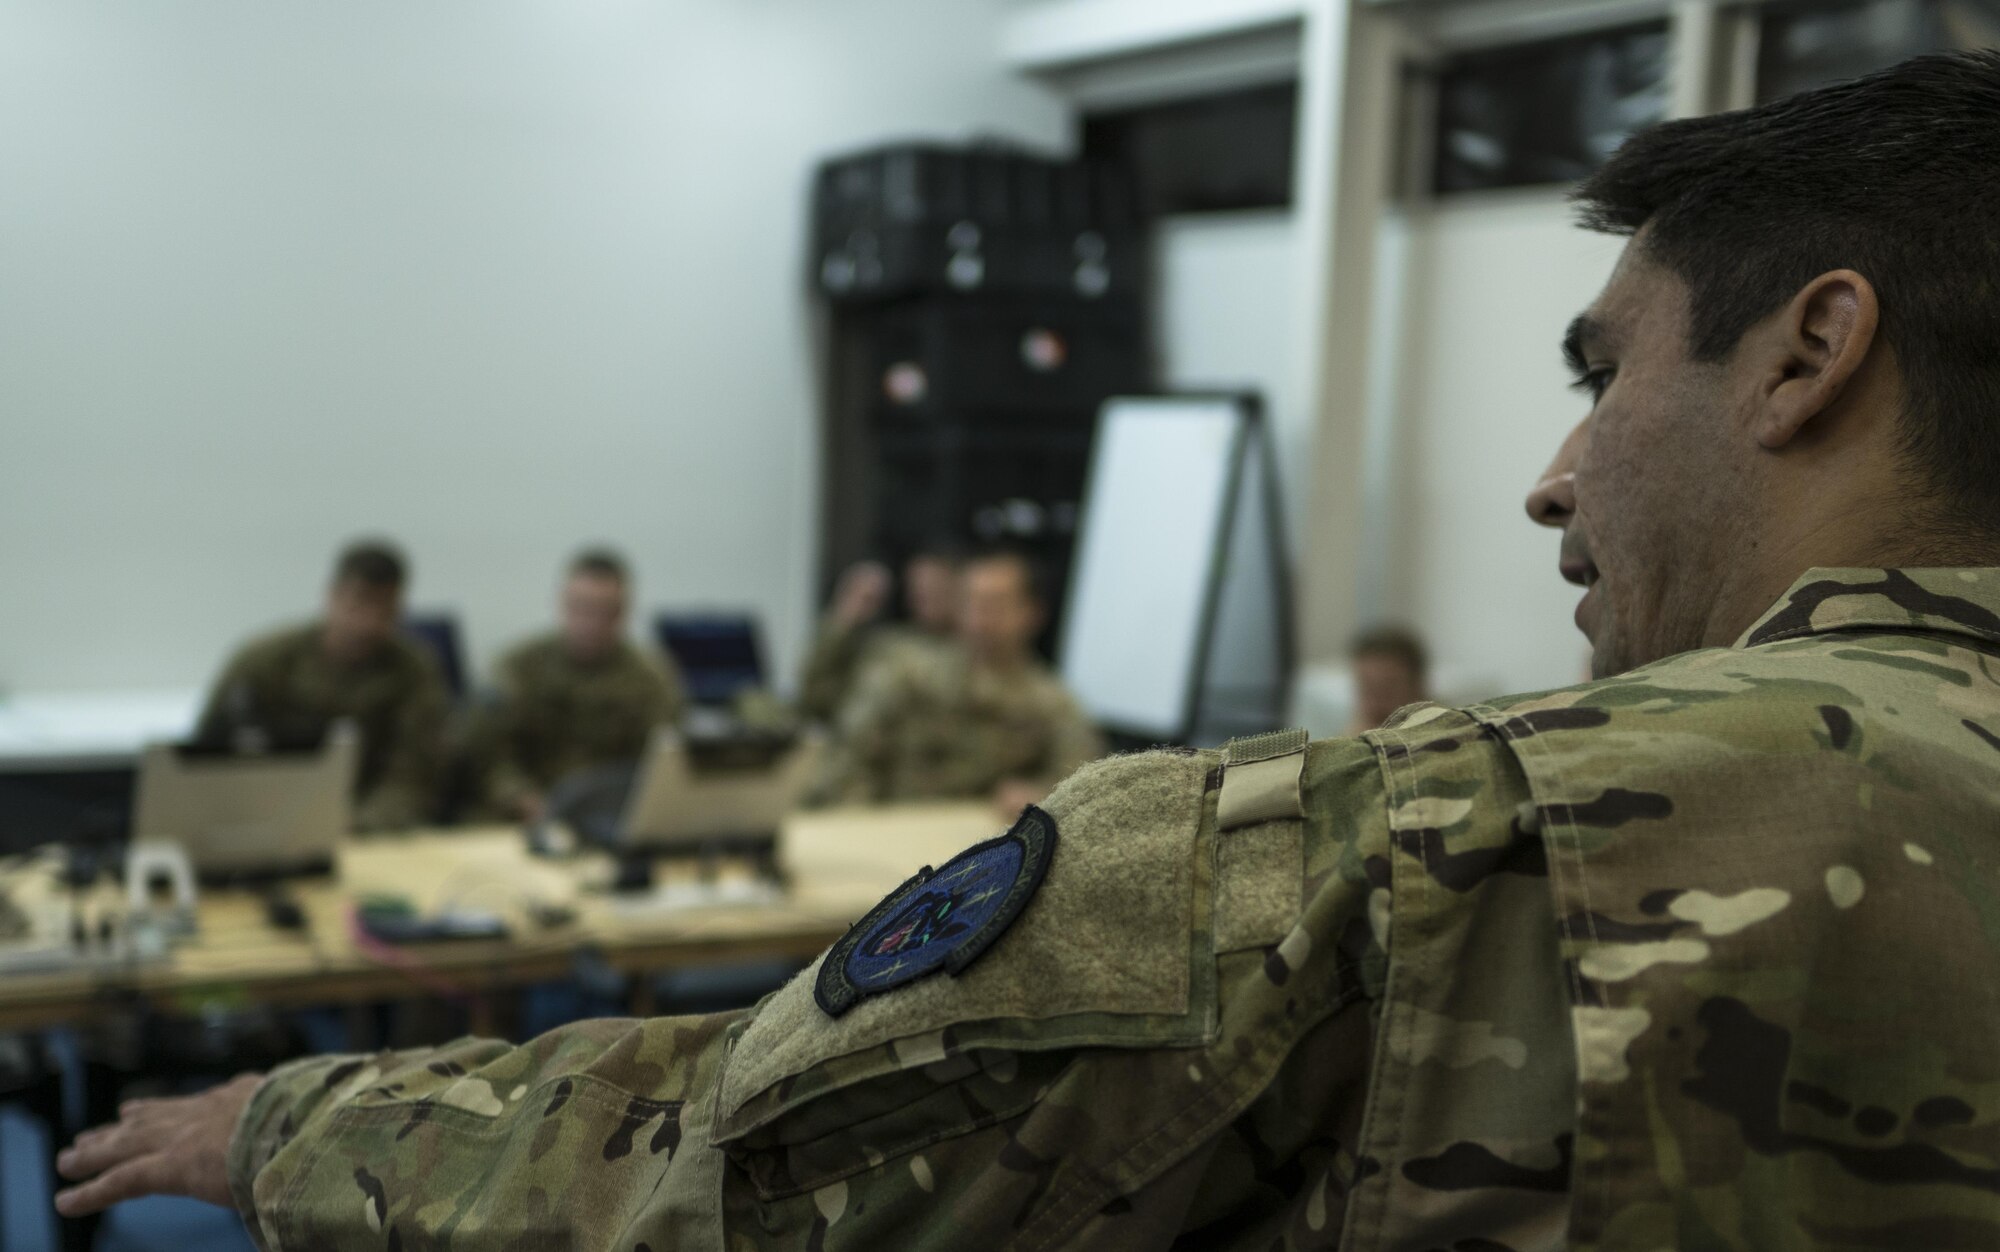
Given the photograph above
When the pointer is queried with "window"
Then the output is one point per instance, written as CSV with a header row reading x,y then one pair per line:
x,y
1802,45
1227,151
1547,112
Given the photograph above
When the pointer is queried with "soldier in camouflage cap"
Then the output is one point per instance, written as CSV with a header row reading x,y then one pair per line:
x,y
354,663
578,698
983,719
1703,954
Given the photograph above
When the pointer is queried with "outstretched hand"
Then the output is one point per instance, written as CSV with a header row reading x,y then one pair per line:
x,y
862,594
176,1146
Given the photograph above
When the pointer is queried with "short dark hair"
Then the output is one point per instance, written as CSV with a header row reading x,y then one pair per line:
x,y
373,563
1398,642
600,563
1896,176
1035,579
940,548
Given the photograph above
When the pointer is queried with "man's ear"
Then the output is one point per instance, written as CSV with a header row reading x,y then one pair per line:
x,y
1818,342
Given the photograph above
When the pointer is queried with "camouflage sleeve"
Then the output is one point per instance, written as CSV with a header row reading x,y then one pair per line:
x,y
1166,1042
408,788
829,671
560,1142
290,1102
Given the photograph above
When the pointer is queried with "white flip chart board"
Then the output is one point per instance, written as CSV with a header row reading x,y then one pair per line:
x,y
1153,545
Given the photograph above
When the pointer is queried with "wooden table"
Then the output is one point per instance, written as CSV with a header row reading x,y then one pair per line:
x,y
840,863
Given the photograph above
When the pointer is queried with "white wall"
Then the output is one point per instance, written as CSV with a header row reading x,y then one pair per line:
x,y
495,277
1229,313
1488,284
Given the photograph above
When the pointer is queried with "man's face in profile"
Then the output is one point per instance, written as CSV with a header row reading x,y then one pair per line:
x,y
1654,490
593,616
360,618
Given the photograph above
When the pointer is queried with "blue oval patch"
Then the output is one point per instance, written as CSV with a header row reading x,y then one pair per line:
x,y
941,919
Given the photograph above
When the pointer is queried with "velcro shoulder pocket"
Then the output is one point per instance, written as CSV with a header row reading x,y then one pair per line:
x,y
1113,950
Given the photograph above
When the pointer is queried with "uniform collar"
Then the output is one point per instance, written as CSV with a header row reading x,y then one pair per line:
x,y
1932,601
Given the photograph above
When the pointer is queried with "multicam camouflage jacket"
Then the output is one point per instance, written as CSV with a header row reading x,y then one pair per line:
x,y
1703,956
284,689
554,715
841,655
932,723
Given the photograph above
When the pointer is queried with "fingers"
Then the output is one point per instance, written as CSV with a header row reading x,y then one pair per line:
x,y
172,1146
147,1175
141,1112
136,1130
98,1150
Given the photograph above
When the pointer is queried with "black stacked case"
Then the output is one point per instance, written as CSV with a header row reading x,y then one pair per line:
x,y
920,220
982,303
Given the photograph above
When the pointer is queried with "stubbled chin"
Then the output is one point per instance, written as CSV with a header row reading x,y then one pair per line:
x,y
1603,664
1593,618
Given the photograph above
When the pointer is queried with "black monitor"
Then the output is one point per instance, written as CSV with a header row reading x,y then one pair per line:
x,y
719,654
438,632
90,806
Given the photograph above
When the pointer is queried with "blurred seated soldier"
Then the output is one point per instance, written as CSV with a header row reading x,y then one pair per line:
x,y
985,719
285,689
853,636
578,698
1701,955
1390,671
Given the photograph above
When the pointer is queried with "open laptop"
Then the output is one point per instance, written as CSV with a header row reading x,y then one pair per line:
x,y
260,815
719,655
676,804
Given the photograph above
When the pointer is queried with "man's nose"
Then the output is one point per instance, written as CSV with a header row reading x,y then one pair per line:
x,y
1553,499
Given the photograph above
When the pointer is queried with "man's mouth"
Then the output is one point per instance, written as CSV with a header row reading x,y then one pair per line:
x,y
1578,569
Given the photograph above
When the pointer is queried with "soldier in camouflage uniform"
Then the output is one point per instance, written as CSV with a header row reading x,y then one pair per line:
x,y
1703,954
983,719
579,698
287,688
852,638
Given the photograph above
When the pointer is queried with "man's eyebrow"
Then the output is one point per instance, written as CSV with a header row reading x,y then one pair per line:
x,y
1581,327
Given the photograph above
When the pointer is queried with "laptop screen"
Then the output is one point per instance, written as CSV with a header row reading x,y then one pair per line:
x,y
718,655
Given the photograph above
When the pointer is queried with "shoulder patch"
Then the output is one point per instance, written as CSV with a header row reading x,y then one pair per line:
x,y
941,919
